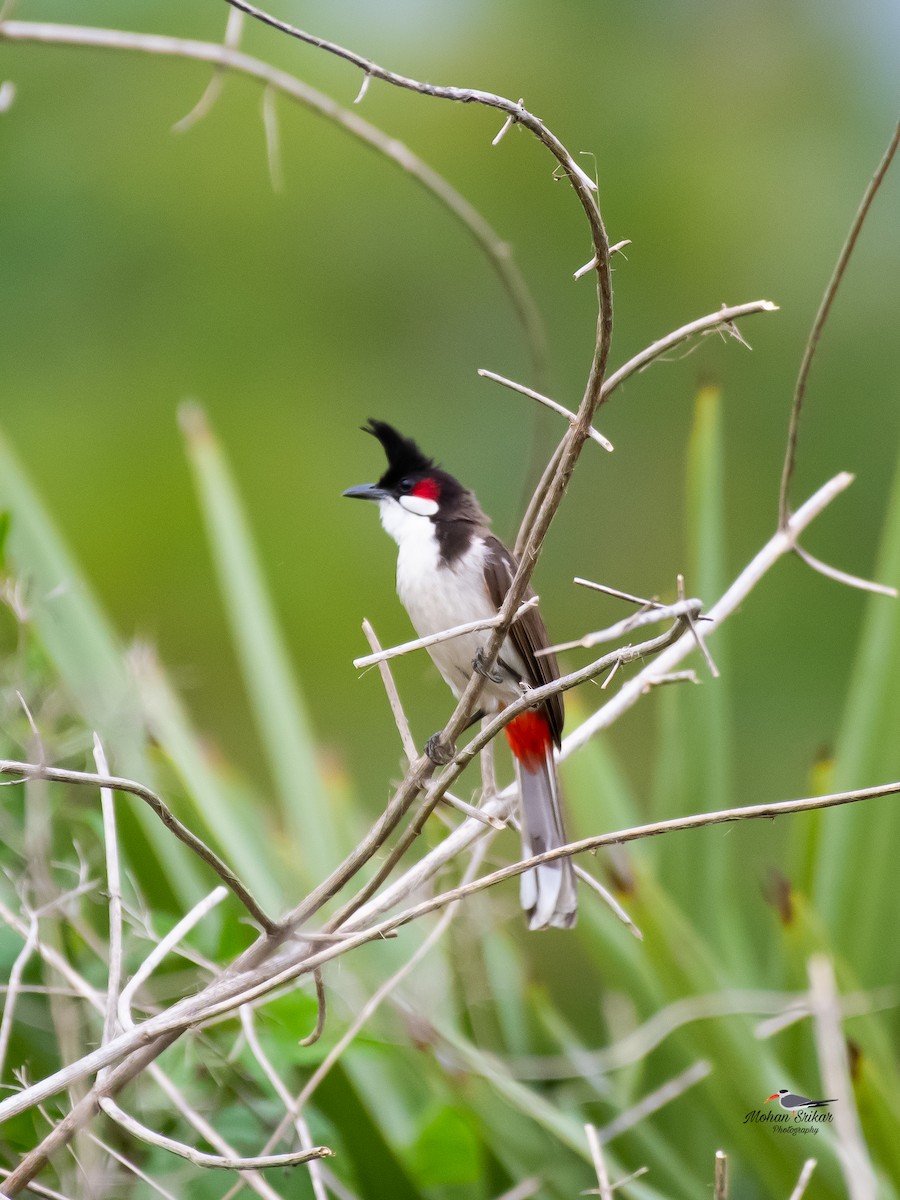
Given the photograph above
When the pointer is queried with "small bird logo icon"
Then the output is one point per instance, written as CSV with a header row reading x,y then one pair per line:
x,y
792,1102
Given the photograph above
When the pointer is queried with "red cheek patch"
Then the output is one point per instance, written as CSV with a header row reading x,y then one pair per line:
x,y
529,739
427,489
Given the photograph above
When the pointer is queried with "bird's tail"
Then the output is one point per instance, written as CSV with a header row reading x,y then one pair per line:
x,y
548,891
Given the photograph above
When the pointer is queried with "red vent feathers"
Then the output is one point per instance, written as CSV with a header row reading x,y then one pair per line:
x,y
529,739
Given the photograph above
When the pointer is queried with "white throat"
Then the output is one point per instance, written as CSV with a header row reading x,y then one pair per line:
x,y
408,522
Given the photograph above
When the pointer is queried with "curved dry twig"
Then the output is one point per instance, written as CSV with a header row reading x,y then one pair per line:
x,y
790,456
551,489
433,639
198,1157
515,110
725,317
14,988
259,971
321,1009
26,770
369,933
370,1006
161,950
559,409
844,577
114,889
282,954
203,1007
233,30
225,58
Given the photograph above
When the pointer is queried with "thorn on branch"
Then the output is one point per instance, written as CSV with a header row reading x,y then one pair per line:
x,y
732,330
655,681
547,403
611,676
854,581
695,632
586,269
233,30
510,120
617,594
589,266
363,88
649,614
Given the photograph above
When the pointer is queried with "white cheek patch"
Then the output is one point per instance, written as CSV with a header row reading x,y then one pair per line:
x,y
419,505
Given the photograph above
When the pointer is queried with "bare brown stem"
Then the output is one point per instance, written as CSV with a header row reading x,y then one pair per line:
x,y
25,770
790,457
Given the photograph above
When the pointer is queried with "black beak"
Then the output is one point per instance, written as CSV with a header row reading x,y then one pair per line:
x,y
365,491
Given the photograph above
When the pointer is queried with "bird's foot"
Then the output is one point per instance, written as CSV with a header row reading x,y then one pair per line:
x,y
439,751
495,675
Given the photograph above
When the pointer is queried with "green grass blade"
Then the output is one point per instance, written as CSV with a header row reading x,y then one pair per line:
x,y
88,657
234,817
538,1134
75,633
277,708
694,766
856,880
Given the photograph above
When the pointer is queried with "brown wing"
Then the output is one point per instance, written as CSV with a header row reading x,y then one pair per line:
x,y
528,634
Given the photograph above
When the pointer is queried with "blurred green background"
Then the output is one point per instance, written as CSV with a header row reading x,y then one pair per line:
x,y
141,267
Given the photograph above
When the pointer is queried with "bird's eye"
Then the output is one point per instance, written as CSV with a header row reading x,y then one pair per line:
x,y
405,486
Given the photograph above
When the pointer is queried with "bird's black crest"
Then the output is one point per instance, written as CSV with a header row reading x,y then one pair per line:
x,y
403,455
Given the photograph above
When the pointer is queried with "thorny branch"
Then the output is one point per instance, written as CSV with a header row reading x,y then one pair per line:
x,y
25,770
283,952
580,429
262,970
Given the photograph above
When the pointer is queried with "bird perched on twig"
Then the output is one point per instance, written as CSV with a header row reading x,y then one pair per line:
x,y
451,570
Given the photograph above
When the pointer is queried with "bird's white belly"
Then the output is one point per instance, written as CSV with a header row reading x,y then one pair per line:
x,y
439,597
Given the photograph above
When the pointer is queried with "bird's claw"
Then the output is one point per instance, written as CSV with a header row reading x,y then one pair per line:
x,y
495,675
439,751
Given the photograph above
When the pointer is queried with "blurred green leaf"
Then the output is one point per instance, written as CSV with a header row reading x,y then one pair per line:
x,y
235,817
279,713
4,534
89,658
856,881
446,1152
693,770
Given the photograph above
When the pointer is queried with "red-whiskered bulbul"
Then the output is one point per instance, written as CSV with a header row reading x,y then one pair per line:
x,y
451,570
